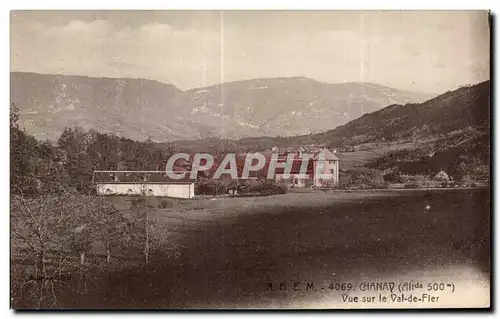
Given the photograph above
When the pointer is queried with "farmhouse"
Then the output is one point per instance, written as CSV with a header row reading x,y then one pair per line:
x,y
322,170
150,183
327,163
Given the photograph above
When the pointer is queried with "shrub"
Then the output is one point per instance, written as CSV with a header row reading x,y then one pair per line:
x,y
166,203
393,177
265,187
204,189
279,189
418,181
362,177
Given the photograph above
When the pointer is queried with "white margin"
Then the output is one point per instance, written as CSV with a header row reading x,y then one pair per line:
x,y
191,4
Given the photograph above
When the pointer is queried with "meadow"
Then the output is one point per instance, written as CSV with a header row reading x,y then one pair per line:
x,y
223,252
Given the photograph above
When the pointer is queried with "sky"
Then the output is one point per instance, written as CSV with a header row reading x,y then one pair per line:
x,y
426,51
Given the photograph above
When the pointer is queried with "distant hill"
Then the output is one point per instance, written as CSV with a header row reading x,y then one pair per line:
x,y
447,120
288,106
132,108
138,109
464,109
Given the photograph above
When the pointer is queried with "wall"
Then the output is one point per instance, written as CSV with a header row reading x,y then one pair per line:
x,y
171,190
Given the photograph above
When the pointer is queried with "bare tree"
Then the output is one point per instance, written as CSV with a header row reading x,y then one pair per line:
x,y
51,236
109,226
141,207
42,230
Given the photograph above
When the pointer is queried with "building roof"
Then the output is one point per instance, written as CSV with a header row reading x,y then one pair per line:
x,y
325,154
138,177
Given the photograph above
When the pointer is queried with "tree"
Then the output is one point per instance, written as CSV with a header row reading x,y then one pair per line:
x,y
22,150
109,227
51,236
14,116
44,249
79,165
140,207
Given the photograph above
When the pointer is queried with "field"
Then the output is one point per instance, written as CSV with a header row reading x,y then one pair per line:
x,y
363,156
228,250
359,158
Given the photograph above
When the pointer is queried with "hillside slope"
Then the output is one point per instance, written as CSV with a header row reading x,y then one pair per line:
x,y
446,120
288,106
133,108
462,109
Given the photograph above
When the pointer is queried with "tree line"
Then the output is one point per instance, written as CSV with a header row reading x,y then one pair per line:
x,y
37,167
56,221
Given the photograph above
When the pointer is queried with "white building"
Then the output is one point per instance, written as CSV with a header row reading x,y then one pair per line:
x,y
327,163
322,171
150,183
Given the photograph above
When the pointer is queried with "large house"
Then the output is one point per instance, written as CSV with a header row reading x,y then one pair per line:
x,y
322,170
151,183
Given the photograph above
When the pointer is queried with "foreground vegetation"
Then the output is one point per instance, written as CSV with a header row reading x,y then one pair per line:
x,y
192,247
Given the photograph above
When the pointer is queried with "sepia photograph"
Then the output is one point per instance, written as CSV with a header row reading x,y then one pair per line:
x,y
250,159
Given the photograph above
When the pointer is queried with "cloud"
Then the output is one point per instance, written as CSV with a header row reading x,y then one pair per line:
x,y
96,28
156,30
186,56
190,50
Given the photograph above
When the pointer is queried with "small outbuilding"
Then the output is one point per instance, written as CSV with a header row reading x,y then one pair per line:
x,y
150,183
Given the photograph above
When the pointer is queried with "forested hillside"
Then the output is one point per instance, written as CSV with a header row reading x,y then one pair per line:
x,y
42,166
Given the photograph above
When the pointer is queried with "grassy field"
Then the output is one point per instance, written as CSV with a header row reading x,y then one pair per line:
x,y
243,243
361,157
210,208
223,252
369,152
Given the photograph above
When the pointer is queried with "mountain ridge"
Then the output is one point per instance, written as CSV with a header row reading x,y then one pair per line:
x,y
217,84
452,116
140,108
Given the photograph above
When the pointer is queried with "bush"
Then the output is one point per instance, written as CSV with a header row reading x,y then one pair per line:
x,y
204,189
362,177
264,187
277,189
166,203
215,187
418,181
393,177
